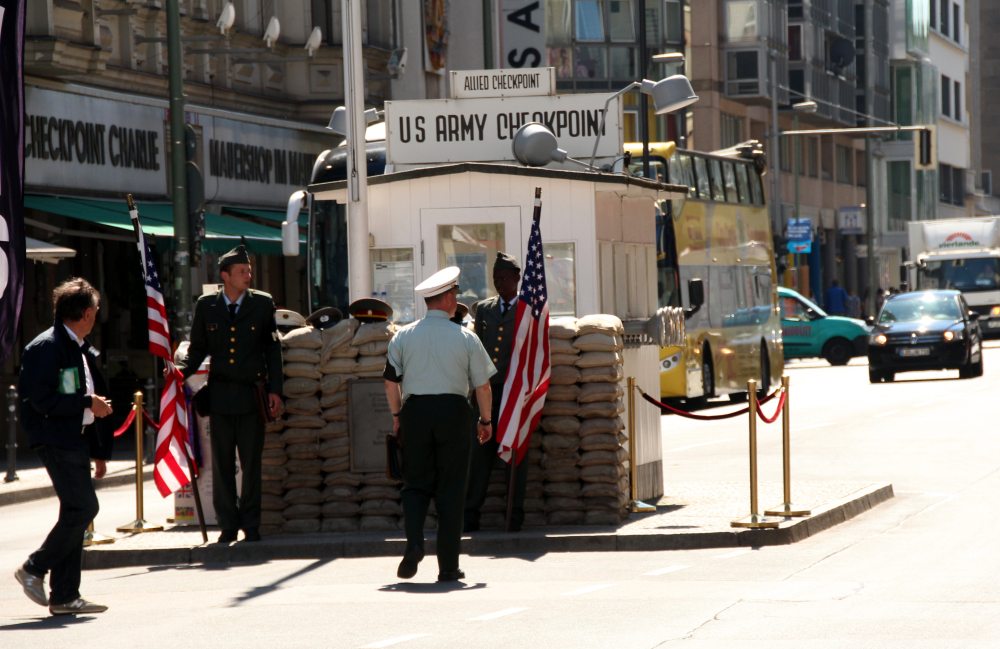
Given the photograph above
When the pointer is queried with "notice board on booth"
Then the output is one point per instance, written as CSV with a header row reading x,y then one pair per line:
x,y
369,421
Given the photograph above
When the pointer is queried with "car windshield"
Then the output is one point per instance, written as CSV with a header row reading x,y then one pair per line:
x,y
981,274
925,307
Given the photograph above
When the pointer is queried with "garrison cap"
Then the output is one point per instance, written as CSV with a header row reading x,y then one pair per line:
x,y
370,309
460,312
287,319
325,317
506,262
237,255
441,281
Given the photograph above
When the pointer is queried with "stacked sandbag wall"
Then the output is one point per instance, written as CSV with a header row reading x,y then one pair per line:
x,y
577,461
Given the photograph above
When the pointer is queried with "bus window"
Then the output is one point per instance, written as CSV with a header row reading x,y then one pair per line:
x,y
729,176
715,174
680,172
743,184
756,192
701,178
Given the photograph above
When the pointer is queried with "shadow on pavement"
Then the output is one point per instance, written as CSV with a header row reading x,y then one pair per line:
x,y
430,589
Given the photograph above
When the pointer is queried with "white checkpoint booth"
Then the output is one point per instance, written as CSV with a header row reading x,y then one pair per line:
x,y
599,235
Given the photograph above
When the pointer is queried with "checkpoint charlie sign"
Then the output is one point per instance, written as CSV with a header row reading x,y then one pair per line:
x,y
503,83
482,129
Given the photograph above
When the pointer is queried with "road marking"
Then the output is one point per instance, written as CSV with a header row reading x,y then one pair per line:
x,y
733,554
498,614
587,589
396,640
690,446
665,571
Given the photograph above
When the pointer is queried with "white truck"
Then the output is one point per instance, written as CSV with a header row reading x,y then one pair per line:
x,y
962,254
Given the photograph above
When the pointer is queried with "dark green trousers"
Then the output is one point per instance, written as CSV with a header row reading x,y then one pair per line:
x,y
231,434
484,458
436,439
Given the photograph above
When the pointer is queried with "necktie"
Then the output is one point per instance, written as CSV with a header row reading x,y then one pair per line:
x,y
503,308
232,311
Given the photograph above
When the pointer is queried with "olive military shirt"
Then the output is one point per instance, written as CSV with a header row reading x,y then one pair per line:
x,y
433,356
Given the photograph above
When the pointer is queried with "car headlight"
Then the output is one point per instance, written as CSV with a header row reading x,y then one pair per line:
x,y
878,339
951,335
995,311
670,362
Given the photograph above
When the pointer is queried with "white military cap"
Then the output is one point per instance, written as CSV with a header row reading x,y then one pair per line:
x,y
441,281
287,318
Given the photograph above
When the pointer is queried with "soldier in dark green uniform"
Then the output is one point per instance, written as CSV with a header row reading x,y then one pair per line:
x,y
494,324
237,328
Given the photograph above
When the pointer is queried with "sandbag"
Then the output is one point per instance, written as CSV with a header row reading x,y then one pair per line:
x,y
563,328
300,387
560,425
300,355
563,375
562,346
373,331
562,393
302,405
302,370
605,374
599,342
598,359
593,392
599,323
302,338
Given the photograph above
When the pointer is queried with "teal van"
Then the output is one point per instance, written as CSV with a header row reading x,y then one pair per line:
x,y
809,332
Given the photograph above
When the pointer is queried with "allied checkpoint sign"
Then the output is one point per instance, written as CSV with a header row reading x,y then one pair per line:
x,y
482,129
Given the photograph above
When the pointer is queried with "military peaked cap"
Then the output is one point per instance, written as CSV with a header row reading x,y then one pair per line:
x,y
370,309
506,262
237,255
325,317
460,312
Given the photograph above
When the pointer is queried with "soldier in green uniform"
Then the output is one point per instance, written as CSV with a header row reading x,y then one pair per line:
x,y
494,324
237,328
431,365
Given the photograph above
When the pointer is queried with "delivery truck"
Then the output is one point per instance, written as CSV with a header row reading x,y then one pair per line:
x,y
962,254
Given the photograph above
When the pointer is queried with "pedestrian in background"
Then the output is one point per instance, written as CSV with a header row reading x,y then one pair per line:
x,y
431,366
237,328
836,299
63,413
494,324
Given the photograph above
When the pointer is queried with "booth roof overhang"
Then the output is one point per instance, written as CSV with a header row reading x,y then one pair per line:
x,y
222,231
38,250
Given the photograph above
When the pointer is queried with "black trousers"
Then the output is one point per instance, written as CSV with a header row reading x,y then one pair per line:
x,y
436,440
62,552
242,433
484,458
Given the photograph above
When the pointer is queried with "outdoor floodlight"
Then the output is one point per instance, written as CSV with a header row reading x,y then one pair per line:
x,y
534,145
272,32
314,41
338,121
226,18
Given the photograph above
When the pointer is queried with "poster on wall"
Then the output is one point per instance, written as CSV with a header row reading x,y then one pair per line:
x,y
12,255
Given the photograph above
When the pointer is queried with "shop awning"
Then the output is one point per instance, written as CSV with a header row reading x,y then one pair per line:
x,y
221,232
44,251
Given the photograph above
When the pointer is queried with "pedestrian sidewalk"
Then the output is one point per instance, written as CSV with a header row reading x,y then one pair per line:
x,y
691,515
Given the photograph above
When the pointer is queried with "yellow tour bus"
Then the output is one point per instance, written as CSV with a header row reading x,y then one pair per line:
x,y
721,233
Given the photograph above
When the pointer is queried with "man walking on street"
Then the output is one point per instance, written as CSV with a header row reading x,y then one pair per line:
x,y
62,412
495,322
236,327
430,368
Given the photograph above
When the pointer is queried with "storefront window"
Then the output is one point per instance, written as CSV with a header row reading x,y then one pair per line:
x,y
560,277
472,248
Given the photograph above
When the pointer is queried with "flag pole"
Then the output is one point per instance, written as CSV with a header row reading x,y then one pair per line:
x,y
133,213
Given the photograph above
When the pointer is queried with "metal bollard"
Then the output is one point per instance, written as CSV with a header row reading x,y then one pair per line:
x,y
11,435
150,440
754,520
138,525
636,506
787,508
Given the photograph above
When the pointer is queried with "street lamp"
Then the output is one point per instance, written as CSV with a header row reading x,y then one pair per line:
x,y
680,121
670,94
807,107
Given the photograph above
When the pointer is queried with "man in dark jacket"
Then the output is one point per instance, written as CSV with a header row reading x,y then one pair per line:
x,y
495,320
236,327
63,414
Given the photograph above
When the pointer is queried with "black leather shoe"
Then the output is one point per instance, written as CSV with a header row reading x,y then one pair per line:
x,y
470,527
451,575
408,566
228,536
251,535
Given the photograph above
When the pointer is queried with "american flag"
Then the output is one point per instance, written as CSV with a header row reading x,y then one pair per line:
x,y
528,374
170,470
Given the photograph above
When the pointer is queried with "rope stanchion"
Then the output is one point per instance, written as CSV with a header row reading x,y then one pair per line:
x,y
90,537
777,411
636,506
138,525
754,520
786,508
691,415
125,425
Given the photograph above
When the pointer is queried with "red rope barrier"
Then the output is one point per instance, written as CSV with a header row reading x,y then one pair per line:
x,y
777,411
691,415
149,420
128,422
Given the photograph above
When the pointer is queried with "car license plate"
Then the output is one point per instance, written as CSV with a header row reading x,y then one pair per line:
x,y
915,351
993,324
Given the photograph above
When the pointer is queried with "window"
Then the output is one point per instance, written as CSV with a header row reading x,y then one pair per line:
x,y
729,176
471,247
845,158
589,20
944,17
742,73
812,156
741,21
701,178
951,181
621,22
785,152
732,132
743,183
861,171
718,188
899,194
560,277
795,42
958,100
934,12
590,63
956,23
392,280
945,96
558,23
674,24
623,63
826,162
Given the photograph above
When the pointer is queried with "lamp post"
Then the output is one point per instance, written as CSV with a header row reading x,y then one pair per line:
x,y
182,259
801,107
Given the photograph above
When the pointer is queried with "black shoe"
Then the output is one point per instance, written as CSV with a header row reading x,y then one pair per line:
x,y
228,536
251,535
408,566
451,575
470,527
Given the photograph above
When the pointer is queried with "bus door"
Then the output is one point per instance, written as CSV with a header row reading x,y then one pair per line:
x,y
468,237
